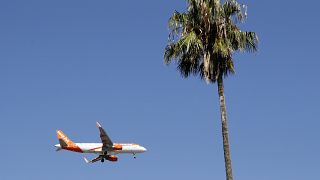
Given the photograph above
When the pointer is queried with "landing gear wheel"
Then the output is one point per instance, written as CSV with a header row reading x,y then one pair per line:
x,y
102,160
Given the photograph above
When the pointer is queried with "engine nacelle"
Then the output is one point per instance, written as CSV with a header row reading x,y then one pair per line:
x,y
112,158
117,147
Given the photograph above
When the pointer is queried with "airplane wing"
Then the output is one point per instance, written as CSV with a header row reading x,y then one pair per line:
x,y
106,141
99,158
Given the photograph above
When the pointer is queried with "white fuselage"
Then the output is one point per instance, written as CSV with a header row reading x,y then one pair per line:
x,y
96,148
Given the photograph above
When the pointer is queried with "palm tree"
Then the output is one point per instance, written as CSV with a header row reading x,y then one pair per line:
x,y
202,41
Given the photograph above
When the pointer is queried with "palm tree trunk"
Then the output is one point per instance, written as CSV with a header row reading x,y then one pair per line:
x,y
225,133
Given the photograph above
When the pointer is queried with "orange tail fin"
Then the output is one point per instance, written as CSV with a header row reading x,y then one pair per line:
x,y
64,140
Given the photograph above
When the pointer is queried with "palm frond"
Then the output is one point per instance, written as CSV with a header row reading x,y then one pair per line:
x,y
177,22
251,41
189,45
232,9
203,39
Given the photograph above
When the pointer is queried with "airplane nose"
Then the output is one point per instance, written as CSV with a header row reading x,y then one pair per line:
x,y
144,149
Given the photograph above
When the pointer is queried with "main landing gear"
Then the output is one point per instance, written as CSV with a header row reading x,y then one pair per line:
x,y
104,156
134,156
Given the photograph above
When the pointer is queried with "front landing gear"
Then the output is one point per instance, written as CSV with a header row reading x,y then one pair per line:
x,y
134,156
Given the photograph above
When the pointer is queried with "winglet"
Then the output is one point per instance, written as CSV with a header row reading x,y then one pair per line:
x,y
98,125
86,160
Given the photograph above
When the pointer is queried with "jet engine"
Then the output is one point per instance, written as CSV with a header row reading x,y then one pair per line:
x,y
112,158
117,147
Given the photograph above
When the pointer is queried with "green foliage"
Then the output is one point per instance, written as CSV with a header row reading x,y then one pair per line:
x,y
203,39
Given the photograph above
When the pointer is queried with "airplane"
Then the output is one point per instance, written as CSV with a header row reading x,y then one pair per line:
x,y
106,150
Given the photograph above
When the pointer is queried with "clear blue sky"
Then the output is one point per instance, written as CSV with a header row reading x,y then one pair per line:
x,y
66,64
